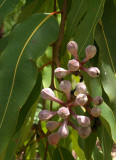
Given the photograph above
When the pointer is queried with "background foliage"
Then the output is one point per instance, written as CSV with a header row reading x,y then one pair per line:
x,y
30,38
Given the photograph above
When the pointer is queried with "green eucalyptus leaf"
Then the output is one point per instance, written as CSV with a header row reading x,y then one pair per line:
x,y
114,2
31,154
97,154
25,121
84,34
106,143
46,76
3,43
109,31
107,76
30,8
75,145
89,145
62,153
18,68
6,7
108,115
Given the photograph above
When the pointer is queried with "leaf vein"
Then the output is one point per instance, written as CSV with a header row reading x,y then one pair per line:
x,y
91,28
108,48
17,67
2,3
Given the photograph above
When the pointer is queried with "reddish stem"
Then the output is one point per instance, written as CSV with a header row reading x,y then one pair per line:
x,y
73,126
45,65
84,69
59,101
55,12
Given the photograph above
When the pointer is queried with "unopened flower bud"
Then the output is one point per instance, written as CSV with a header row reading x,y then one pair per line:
x,y
84,132
61,72
97,100
95,112
63,112
44,115
53,138
65,86
73,65
93,71
81,99
90,51
81,88
83,121
72,47
47,93
63,130
52,125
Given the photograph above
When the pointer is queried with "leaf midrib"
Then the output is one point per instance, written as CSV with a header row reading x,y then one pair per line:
x,y
91,28
16,67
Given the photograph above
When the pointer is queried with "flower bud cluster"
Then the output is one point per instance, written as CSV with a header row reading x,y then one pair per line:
x,y
75,65
81,98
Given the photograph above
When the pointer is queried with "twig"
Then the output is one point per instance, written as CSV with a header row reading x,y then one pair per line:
x,y
45,155
61,32
45,65
58,90
56,49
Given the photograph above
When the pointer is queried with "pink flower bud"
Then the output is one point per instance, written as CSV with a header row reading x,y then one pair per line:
x,y
44,115
93,71
72,47
84,132
81,88
52,125
63,112
48,94
73,65
97,100
63,130
95,112
53,138
90,51
81,99
61,72
65,86
83,121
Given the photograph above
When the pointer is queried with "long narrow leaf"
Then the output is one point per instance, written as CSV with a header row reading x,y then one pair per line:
x,y
18,72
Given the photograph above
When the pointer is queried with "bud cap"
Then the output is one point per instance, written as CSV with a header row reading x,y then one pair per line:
x,y
60,72
72,47
47,93
95,112
53,138
44,115
83,121
63,112
81,88
93,71
81,99
73,65
65,86
52,125
90,51
97,100
63,130
84,132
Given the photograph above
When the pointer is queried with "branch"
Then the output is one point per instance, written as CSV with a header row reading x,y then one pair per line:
x,y
61,33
